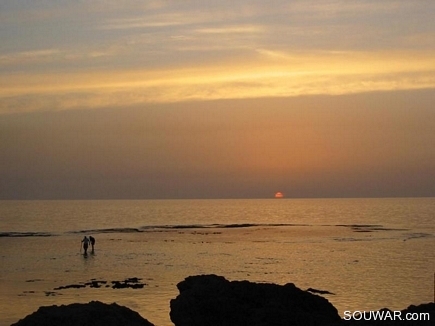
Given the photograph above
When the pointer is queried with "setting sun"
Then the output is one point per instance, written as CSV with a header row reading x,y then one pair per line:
x,y
279,195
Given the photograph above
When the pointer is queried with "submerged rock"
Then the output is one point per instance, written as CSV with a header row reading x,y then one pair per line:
x,y
132,282
319,291
93,313
212,300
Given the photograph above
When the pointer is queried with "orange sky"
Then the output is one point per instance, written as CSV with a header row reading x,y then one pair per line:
x,y
378,144
169,99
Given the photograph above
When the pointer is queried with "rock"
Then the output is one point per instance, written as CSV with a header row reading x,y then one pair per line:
x,y
132,282
93,313
208,300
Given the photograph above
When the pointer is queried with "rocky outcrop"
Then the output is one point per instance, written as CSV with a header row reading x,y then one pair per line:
x,y
209,300
93,313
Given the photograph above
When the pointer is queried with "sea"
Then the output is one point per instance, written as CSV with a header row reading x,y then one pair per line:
x,y
367,253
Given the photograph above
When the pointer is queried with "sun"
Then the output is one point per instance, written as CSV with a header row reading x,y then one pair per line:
x,y
279,195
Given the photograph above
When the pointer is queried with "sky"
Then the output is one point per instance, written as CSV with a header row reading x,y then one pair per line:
x,y
216,99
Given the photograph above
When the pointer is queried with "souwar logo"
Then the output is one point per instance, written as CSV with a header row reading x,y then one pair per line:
x,y
385,314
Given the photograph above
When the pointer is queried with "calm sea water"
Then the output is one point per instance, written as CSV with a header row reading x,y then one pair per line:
x,y
370,253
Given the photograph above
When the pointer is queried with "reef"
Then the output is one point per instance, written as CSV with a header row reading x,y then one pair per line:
x,y
133,282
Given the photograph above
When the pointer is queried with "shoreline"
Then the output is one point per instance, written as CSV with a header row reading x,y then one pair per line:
x,y
206,298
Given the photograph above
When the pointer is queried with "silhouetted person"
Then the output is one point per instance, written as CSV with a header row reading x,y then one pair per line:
x,y
85,242
92,239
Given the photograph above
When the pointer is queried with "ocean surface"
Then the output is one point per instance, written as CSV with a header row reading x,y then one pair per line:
x,y
370,253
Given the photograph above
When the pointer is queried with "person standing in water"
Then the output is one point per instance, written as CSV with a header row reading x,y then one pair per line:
x,y
92,239
85,242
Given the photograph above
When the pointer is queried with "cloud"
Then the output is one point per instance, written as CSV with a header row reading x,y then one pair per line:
x,y
47,61
161,21
29,56
130,53
240,29
272,74
334,8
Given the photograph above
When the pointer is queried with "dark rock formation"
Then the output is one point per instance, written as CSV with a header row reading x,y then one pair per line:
x,y
209,300
93,313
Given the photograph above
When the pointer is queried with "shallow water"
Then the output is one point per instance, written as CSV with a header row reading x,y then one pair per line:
x,y
371,253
